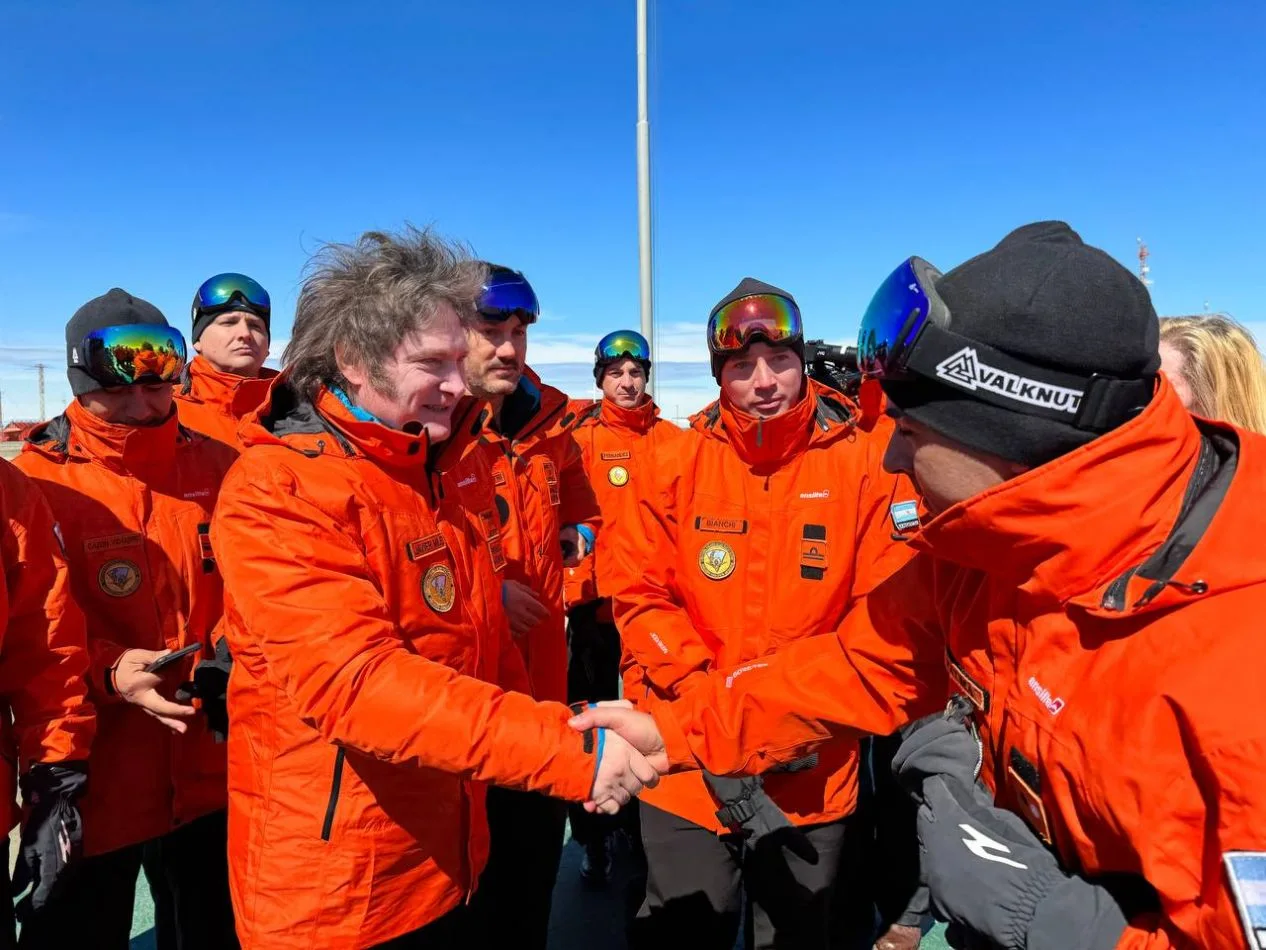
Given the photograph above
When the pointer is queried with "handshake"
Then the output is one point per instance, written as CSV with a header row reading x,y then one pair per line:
x,y
630,753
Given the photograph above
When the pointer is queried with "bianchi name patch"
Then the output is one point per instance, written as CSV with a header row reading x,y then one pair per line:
x,y
1246,873
964,369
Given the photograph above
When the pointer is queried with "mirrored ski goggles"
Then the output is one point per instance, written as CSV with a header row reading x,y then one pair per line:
x,y
232,290
770,317
624,344
907,333
131,354
508,294
897,313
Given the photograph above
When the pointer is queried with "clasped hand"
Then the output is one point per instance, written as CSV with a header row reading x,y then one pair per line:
x,y
631,755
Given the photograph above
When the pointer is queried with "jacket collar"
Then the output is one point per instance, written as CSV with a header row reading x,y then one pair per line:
x,y
203,383
138,450
640,419
1071,528
529,411
766,444
326,424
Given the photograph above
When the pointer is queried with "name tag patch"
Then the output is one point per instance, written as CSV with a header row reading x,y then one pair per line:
x,y
616,456
971,690
112,543
1028,786
424,546
721,525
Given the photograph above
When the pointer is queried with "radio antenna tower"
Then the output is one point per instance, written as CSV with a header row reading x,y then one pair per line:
x,y
1144,269
40,367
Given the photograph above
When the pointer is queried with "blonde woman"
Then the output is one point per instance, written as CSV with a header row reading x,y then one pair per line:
x,y
1216,367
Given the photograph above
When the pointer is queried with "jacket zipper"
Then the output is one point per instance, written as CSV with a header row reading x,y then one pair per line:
x,y
335,784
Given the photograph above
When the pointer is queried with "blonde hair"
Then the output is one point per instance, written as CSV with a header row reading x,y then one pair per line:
x,y
1223,367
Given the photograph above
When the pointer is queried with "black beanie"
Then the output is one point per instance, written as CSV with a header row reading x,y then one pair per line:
x,y
1044,297
748,287
114,309
202,319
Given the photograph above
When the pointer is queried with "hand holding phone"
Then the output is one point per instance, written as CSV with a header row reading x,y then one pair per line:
x,y
174,657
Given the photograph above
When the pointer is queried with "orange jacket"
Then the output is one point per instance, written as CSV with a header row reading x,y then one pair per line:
x,y
762,532
365,620
1103,612
617,446
134,505
214,403
45,715
541,487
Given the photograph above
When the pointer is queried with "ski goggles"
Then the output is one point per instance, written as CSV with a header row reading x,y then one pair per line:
x,y
131,354
508,294
623,344
771,317
907,333
231,291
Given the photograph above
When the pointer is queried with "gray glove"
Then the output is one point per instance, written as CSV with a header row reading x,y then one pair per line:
x,y
988,873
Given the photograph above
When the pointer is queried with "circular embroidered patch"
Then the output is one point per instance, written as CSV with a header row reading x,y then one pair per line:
x,y
118,578
716,560
438,588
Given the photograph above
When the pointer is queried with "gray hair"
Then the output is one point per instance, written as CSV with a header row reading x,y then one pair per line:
x,y
366,298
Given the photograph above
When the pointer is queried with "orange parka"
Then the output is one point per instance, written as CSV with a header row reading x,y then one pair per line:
x,y
761,532
134,506
619,447
1103,615
45,714
365,621
214,403
541,488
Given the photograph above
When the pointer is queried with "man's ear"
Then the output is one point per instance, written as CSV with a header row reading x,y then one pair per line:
x,y
353,372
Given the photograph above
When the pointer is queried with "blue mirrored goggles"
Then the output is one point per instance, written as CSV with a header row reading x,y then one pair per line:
x,y
907,333
131,354
237,291
623,344
900,309
508,294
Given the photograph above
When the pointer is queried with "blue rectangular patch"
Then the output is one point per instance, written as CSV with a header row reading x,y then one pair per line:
x,y
905,515
1246,873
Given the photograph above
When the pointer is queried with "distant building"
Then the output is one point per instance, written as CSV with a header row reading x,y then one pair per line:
x,y
17,430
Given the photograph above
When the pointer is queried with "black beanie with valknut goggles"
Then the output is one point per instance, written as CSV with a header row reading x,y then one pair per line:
x,y
1026,352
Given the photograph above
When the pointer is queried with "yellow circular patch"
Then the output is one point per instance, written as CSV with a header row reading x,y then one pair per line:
x,y
716,560
438,588
118,578
618,476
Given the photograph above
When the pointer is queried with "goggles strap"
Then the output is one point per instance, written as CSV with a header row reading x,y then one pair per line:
x,y
1092,403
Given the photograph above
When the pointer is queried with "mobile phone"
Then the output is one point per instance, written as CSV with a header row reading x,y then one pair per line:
x,y
165,661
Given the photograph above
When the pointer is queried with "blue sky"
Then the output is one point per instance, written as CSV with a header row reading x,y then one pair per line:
x,y
811,144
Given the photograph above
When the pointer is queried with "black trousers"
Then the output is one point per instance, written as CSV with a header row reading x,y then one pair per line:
x,y
8,928
187,871
516,889
695,883
593,675
454,931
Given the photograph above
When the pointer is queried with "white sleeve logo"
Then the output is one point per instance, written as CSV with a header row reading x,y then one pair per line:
x,y
982,846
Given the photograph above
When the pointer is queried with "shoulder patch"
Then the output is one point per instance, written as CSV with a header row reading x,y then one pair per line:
x,y
1246,874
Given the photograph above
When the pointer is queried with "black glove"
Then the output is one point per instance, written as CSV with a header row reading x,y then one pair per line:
x,y
208,688
52,835
988,873
936,746
747,810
